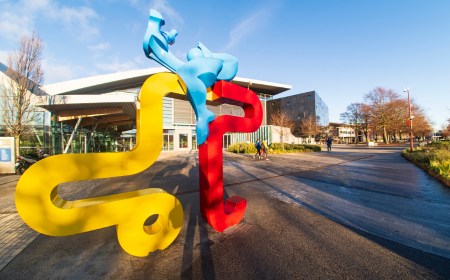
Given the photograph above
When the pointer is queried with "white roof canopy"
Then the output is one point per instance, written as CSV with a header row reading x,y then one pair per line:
x,y
136,78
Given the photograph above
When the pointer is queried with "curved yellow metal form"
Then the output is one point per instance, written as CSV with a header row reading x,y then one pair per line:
x,y
40,206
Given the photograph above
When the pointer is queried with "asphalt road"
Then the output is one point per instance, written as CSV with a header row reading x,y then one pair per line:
x,y
277,239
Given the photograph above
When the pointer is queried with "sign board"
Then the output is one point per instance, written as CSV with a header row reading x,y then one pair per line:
x,y
408,123
7,154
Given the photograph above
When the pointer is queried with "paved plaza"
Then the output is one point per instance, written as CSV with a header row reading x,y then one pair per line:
x,y
357,212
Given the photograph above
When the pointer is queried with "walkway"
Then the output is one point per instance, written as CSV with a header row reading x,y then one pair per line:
x,y
15,235
376,191
312,215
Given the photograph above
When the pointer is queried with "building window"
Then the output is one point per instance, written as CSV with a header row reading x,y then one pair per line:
x,y
194,140
183,140
309,96
288,103
273,103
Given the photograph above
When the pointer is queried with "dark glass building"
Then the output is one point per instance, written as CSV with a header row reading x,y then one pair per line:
x,y
300,106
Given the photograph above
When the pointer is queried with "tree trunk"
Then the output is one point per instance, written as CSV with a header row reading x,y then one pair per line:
x,y
356,135
385,135
17,141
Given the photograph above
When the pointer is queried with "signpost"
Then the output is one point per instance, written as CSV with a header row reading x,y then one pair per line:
x,y
7,154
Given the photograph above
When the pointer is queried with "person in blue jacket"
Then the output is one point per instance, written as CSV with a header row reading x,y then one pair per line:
x,y
329,142
258,148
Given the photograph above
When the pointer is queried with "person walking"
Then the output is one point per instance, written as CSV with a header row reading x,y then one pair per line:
x,y
258,148
265,148
329,142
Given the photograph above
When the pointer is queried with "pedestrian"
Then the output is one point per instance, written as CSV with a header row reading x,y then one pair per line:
x,y
258,149
265,148
329,142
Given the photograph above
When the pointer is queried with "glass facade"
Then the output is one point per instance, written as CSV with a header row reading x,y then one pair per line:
x,y
183,141
321,111
168,140
194,140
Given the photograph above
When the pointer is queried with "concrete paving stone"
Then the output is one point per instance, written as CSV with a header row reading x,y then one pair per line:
x,y
15,235
382,194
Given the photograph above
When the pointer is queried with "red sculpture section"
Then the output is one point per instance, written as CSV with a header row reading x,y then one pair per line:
x,y
219,215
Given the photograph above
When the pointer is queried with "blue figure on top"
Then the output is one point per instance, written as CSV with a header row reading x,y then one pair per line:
x,y
201,71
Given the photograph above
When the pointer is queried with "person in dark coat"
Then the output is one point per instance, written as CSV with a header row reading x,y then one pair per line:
x,y
258,148
329,142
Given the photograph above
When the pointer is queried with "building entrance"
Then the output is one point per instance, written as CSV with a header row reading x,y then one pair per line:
x,y
168,140
226,141
78,144
124,144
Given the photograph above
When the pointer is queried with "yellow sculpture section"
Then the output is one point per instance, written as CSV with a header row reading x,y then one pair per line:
x,y
40,206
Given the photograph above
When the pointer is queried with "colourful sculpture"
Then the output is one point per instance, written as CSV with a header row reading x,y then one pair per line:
x,y
201,71
40,206
213,211
208,71
203,77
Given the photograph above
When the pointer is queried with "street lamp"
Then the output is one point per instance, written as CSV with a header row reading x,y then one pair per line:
x,y
410,118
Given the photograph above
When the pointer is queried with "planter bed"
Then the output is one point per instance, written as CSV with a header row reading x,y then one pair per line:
x,y
427,169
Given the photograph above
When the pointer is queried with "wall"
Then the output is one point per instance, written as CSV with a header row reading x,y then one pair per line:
x,y
289,138
300,106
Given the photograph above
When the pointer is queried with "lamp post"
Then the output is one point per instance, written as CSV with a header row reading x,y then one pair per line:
x,y
410,119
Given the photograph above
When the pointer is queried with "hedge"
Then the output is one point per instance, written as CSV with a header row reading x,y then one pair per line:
x,y
275,148
304,147
243,148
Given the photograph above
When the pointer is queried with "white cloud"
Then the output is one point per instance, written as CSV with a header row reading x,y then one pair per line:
x,y
55,72
79,17
19,18
100,47
165,10
134,27
245,27
117,66
3,57
139,59
12,26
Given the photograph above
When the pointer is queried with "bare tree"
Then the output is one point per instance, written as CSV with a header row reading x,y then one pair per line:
x,y
310,126
365,120
354,115
399,116
284,123
422,123
381,103
21,84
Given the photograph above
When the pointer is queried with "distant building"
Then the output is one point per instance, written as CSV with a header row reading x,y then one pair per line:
x,y
108,120
300,106
341,132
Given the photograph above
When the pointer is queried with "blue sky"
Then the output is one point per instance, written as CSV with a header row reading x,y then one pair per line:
x,y
341,49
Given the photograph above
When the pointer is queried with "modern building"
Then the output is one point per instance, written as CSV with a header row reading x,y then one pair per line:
x,y
341,133
300,106
98,114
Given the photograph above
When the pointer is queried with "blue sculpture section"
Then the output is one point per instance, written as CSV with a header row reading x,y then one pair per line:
x,y
201,71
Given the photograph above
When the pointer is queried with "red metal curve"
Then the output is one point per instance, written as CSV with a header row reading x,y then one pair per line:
x,y
212,207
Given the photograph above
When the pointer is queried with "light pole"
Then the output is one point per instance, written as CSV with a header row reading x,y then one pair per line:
x,y
410,118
